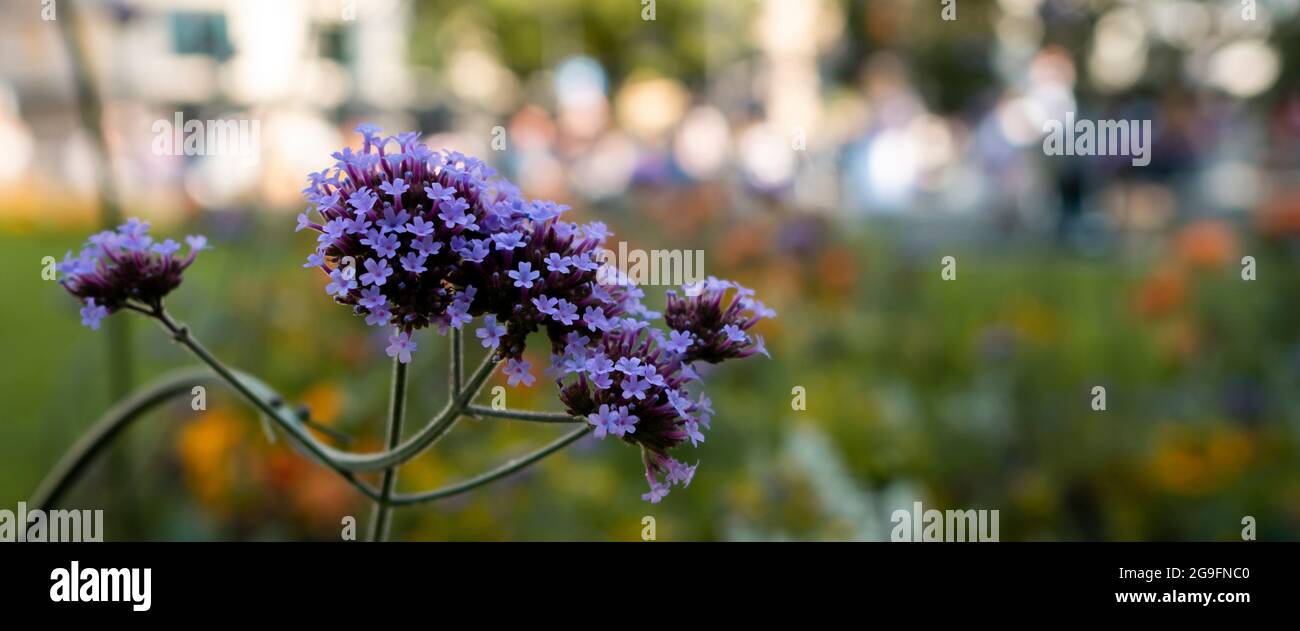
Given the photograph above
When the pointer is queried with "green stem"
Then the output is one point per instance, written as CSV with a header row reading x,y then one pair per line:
x,y
111,424
523,415
491,476
106,428
396,410
344,462
457,363
182,335
422,439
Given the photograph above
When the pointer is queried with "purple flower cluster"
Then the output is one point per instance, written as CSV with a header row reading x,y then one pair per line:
x,y
125,268
409,238
716,333
631,379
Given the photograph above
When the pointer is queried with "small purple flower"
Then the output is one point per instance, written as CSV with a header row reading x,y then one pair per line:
x,y
599,364
326,202
372,298
597,230
652,376
490,332
734,333
197,242
475,251
658,491
315,259
759,309
688,372
358,225
566,312
340,284
92,313
680,473
166,248
705,408
628,365
595,318
377,272
452,212
545,305
379,316
394,188
363,200
678,341
556,263
368,131
634,387
400,345
525,276
413,262
517,370
134,235
584,263
419,227
605,421
393,222
680,403
334,230
458,312
625,423
303,222
602,381
508,240
427,246
386,245
693,432
439,193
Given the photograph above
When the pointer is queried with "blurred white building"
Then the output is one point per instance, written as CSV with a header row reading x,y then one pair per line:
x,y
293,65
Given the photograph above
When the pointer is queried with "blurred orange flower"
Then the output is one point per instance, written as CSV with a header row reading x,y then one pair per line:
x,y
205,447
325,400
1206,244
1280,217
1162,292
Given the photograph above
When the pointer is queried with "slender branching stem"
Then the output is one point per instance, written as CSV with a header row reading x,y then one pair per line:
x,y
346,464
113,422
396,410
490,476
182,336
523,415
342,461
106,428
457,363
423,439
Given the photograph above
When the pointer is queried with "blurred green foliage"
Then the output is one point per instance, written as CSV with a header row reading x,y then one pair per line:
x,y
971,393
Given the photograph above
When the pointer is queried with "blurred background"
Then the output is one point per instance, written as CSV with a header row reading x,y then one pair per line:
x,y
828,153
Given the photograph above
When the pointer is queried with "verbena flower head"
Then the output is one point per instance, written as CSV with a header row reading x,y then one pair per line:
x,y
410,237
631,382
715,332
118,268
